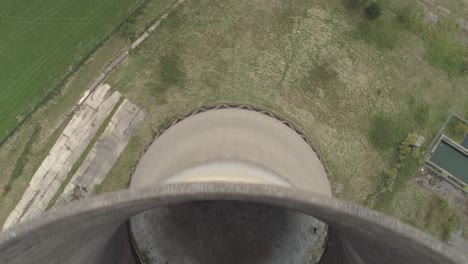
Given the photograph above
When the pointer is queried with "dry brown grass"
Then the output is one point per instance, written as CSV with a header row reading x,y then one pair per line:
x,y
298,59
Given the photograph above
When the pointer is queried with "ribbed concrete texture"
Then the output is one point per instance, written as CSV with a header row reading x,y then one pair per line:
x,y
230,145
228,232
89,231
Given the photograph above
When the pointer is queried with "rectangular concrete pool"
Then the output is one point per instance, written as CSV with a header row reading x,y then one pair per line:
x,y
451,159
465,141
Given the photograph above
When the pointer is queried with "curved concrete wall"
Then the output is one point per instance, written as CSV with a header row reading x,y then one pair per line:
x,y
84,232
232,145
222,155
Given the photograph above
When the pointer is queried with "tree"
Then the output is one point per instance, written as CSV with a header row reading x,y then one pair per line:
x,y
373,11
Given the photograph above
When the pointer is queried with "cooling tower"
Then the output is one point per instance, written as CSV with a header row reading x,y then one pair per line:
x,y
222,184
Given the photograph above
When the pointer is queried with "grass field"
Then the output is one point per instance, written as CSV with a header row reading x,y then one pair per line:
x,y
41,41
303,60
30,144
313,62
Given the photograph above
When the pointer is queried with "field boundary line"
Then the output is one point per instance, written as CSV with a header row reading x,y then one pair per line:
x,y
75,68
41,61
116,62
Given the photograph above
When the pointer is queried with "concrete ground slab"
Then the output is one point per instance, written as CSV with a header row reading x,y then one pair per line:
x,y
65,152
104,153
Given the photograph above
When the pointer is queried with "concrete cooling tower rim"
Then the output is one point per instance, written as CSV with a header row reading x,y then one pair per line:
x,y
57,231
271,114
229,143
237,106
88,231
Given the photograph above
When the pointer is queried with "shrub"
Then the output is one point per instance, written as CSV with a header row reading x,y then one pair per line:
x,y
460,128
383,33
450,226
373,11
456,129
410,165
407,14
128,31
443,203
385,133
394,179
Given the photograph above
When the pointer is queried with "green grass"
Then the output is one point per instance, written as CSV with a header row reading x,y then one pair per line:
x,y
352,99
447,55
381,32
386,133
21,161
299,61
394,179
419,112
42,42
442,50
449,226
427,211
53,116
406,172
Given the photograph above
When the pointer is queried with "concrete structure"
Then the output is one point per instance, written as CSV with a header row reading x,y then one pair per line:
x,y
104,153
260,188
92,230
66,151
230,145
51,177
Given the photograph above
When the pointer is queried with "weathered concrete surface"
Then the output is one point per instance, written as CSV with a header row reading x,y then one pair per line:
x,y
139,40
116,62
83,232
90,230
104,153
153,27
65,152
232,145
228,232
96,82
